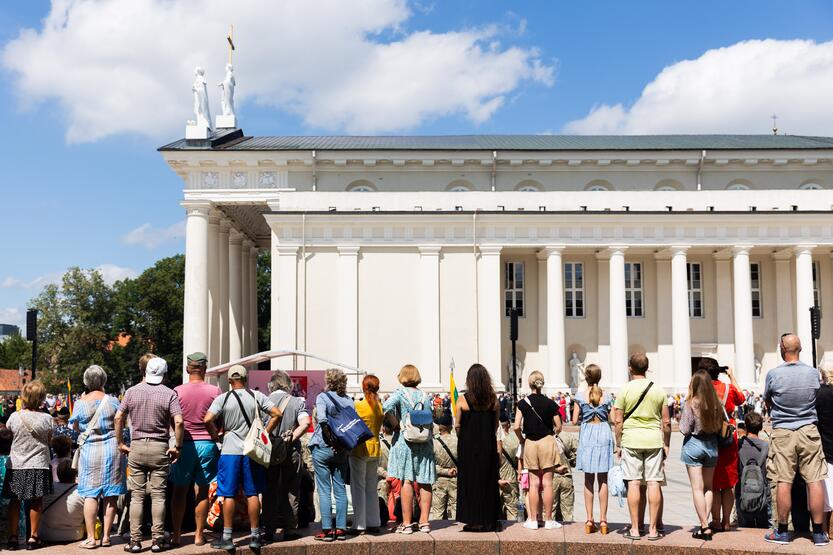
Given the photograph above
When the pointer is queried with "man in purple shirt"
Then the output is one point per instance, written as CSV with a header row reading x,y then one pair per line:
x,y
152,408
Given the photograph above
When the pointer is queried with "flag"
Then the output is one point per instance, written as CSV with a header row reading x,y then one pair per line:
x,y
452,389
69,395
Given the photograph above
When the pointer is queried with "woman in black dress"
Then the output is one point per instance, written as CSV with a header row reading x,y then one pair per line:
x,y
478,451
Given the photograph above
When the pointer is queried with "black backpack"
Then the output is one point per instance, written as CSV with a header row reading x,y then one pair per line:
x,y
753,487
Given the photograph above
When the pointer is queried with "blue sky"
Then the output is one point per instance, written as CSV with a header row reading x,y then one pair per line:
x,y
86,99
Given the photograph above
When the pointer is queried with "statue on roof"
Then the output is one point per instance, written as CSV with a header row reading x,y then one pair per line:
x,y
201,110
227,93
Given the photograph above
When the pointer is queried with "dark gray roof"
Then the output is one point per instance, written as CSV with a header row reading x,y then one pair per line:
x,y
234,140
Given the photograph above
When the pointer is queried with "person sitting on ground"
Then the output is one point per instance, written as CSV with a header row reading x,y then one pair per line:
x,y
752,495
790,392
61,449
63,509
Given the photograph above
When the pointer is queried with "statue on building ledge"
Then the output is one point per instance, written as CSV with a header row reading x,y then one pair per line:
x,y
200,127
227,119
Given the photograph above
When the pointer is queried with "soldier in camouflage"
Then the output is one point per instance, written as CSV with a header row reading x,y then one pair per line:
x,y
509,469
444,500
562,480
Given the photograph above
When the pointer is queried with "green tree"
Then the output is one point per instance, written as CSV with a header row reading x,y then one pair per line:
x,y
15,352
264,301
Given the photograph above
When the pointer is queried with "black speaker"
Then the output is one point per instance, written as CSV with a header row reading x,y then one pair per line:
x,y
513,324
815,321
31,324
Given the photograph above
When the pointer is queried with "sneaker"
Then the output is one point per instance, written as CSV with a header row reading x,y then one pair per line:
x,y
340,534
255,543
777,537
325,536
820,539
133,547
551,525
158,546
531,524
223,545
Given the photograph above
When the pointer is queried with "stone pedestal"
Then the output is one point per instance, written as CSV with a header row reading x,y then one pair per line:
x,y
196,131
226,122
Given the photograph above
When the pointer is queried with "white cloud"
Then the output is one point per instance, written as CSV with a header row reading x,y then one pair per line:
x,y
126,67
12,282
111,273
12,316
151,237
730,90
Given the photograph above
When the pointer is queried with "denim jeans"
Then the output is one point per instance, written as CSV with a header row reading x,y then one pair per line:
x,y
330,473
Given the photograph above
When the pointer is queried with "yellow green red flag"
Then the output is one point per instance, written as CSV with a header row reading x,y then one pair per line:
x,y
452,388
69,395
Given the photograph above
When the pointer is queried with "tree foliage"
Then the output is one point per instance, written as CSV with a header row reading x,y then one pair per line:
x,y
15,352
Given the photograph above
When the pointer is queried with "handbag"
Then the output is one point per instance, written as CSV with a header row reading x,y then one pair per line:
x,y
727,430
256,445
280,446
82,438
348,429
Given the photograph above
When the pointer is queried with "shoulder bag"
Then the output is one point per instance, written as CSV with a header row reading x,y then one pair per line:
x,y
347,427
280,446
256,444
82,438
727,430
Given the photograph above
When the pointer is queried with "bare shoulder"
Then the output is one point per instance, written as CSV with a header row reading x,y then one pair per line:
x,y
462,403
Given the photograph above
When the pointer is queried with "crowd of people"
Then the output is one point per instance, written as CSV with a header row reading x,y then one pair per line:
x,y
425,457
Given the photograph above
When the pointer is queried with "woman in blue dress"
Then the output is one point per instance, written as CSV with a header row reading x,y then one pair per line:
x,y
595,444
409,462
101,472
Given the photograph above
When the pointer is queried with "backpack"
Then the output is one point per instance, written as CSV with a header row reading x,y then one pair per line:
x,y
416,422
753,488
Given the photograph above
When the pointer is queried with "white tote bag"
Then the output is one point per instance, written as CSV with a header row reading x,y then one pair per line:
x,y
256,445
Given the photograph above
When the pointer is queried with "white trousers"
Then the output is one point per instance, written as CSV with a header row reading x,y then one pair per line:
x,y
363,481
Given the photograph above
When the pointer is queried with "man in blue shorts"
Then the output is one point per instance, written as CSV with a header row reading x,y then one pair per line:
x,y
237,409
197,463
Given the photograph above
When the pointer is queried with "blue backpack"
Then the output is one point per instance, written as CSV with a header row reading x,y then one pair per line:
x,y
347,427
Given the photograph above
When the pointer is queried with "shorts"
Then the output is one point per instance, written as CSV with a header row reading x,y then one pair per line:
x,y
234,471
541,454
828,489
799,451
700,452
643,464
197,464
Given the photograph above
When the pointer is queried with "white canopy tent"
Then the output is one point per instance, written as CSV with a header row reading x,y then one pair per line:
x,y
251,361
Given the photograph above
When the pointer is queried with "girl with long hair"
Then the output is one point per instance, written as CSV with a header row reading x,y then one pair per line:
x,y
364,461
478,452
595,444
700,423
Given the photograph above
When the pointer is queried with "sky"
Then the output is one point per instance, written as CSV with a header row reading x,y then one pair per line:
x,y
89,89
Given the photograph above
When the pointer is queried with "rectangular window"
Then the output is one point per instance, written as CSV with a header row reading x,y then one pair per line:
x,y
757,299
574,289
816,285
633,289
695,289
513,287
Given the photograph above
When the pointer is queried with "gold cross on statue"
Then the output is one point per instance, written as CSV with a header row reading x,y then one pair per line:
x,y
230,39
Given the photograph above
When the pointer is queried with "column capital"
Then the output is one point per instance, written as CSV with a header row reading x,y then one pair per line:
x,y
804,249
430,250
225,224
286,250
348,250
550,250
611,251
741,250
196,207
671,252
235,237
489,250
247,243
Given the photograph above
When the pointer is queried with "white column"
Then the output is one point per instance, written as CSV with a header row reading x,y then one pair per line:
x,y
744,342
245,303
543,349
285,261
784,316
429,318
214,323
348,308
253,326
274,306
602,316
195,324
665,342
680,325
618,317
490,312
804,300
235,296
556,357
724,315
222,287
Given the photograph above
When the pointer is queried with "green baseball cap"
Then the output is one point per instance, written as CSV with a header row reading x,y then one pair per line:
x,y
198,357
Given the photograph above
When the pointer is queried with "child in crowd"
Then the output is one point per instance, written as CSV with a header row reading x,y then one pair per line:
x,y
752,493
61,449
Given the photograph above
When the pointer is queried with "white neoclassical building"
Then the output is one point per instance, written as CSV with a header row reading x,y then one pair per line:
x,y
387,250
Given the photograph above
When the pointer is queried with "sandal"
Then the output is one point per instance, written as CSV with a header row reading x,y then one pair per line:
x,y
89,543
589,527
403,529
34,543
603,527
425,527
105,543
659,536
630,536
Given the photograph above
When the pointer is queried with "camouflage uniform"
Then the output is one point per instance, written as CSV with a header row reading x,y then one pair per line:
x,y
382,470
509,472
444,499
562,485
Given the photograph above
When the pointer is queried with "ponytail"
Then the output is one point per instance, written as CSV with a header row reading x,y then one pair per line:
x,y
595,395
593,375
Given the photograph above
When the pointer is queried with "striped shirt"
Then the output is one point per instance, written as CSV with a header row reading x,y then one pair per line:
x,y
151,408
